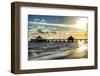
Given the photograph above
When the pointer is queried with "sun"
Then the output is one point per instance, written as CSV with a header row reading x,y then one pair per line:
x,y
81,24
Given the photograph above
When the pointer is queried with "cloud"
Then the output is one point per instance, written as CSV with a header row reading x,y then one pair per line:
x,y
70,24
52,24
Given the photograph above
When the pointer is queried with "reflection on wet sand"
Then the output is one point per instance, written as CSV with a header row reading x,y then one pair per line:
x,y
48,51
80,52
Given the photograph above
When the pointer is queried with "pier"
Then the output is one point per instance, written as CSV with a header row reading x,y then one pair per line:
x,y
59,40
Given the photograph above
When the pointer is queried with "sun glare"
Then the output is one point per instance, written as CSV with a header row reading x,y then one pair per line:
x,y
82,47
82,24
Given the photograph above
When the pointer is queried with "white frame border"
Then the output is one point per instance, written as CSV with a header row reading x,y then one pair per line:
x,y
25,64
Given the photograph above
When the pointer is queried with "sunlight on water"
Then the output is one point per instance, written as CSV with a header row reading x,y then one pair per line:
x,y
82,46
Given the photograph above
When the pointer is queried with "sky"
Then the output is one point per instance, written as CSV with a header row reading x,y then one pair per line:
x,y
57,23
